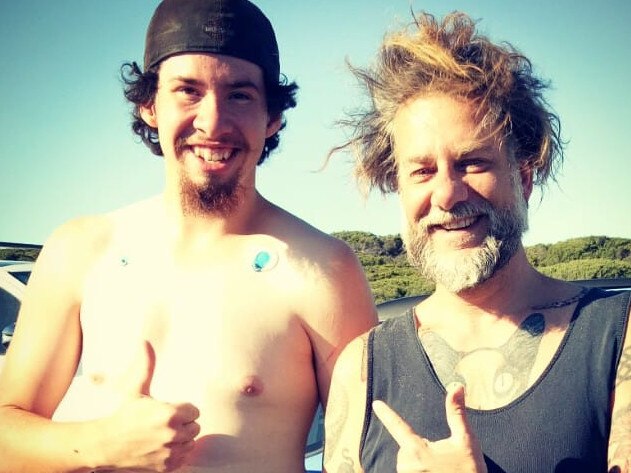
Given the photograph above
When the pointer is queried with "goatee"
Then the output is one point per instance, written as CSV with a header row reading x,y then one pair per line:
x,y
459,270
214,198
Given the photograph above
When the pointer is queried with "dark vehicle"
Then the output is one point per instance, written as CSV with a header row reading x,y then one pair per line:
x,y
395,307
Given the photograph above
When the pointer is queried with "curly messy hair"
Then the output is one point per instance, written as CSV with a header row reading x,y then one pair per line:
x,y
140,89
449,57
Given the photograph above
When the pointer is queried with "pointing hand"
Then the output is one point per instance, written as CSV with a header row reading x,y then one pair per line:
x,y
460,452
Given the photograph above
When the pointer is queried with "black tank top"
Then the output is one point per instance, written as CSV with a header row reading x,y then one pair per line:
x,y
560,424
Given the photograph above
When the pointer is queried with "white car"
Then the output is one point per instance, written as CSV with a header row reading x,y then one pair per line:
x,y
13,278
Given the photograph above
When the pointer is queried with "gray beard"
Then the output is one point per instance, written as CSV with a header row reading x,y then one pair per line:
x,y
212,199
458,271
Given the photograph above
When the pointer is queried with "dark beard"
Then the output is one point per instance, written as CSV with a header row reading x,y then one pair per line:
x,y
506,227
216,198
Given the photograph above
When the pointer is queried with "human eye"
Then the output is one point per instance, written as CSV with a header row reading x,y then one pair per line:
x,y
186,92
473,165
422,173
241,96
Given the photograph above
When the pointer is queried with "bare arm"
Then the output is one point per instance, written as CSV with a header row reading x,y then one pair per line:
x,y
39,367
344,309
620,436
40,364
345,413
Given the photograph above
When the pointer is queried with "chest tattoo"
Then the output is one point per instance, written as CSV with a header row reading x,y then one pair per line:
x,y
490,374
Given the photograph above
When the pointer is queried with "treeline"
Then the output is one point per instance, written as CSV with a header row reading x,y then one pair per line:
x,y
390,276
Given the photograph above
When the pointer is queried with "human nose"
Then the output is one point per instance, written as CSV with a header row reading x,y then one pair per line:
x,y
210,117
449,189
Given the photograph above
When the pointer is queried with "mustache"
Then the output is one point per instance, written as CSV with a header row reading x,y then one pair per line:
x,y
438,217
194,140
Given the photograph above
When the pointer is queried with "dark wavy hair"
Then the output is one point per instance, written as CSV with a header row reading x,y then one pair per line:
x,y
450,57
140,89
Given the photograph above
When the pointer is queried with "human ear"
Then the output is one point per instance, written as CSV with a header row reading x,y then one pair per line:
x,y
148,114
526,176
273,125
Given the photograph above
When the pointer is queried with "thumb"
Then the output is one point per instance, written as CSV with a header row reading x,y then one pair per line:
x,y
136,379
456,411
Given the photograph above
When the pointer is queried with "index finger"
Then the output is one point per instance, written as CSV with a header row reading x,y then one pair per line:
x,y
398,428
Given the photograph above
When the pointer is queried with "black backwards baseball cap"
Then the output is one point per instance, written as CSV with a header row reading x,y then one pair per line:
x,y
235,28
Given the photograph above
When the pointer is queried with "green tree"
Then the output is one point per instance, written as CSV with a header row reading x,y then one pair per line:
x,y
19,254
593,268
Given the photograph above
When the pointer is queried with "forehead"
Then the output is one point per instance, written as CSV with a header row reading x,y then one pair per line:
x,y
212,67
432,125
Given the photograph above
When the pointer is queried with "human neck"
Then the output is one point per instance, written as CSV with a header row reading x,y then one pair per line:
x,y
508,293
242,219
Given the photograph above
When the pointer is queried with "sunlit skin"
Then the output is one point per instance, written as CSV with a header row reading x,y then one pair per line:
x,y
440,166
192,360
213,107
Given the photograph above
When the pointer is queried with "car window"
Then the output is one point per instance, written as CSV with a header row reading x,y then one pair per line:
x,y
21,275
315,439
9,307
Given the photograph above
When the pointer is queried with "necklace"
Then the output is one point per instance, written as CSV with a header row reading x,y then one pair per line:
x,y
562,303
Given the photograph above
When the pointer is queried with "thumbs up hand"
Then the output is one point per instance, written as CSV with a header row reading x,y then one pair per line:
x,y
145,433
460,452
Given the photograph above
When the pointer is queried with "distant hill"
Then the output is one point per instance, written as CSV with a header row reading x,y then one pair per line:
x,y
390,276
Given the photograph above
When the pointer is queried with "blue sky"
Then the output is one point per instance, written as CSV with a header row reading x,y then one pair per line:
x,y
66,148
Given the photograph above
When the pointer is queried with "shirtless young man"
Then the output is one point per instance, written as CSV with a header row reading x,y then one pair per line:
x,y
459,128
207,320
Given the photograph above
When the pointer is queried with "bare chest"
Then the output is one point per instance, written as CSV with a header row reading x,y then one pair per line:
x,y
217,334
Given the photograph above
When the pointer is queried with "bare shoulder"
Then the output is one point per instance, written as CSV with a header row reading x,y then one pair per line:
x,y
74,245
328,290
351,365
305,239
73,248
620,435
328,268
47,331
77,243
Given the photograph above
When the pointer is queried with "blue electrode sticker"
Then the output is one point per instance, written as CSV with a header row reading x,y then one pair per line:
x,y
264,261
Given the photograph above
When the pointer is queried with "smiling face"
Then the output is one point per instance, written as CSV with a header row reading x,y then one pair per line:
x,y
211,115
464,203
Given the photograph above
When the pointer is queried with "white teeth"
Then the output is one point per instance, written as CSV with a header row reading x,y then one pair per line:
x,y
211,155
458,224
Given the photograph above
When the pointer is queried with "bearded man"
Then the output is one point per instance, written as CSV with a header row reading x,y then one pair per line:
x,y
459,128
207,319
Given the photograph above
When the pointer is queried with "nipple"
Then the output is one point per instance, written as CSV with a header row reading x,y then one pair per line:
x,y
252,386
